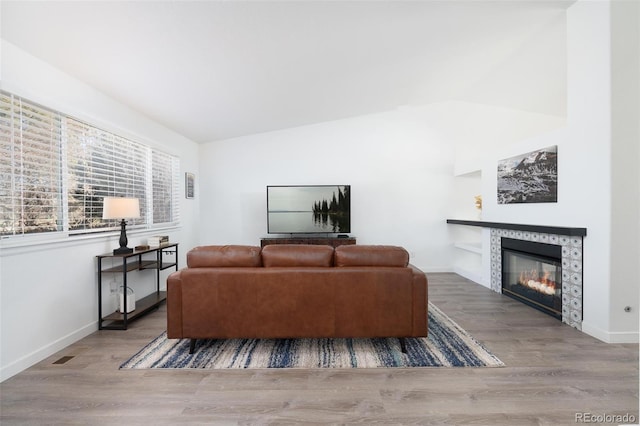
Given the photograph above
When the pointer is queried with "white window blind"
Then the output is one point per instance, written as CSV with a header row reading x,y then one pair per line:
x,y
165,172
56,170
101,164
30,171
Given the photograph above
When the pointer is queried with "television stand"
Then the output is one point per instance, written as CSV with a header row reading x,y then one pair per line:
x,y
325,241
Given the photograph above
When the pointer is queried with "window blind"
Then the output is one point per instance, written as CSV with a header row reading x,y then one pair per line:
x,y
101,164
56,170
165,172
30,170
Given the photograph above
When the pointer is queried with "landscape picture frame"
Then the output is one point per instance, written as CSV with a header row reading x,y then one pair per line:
x,y
529,178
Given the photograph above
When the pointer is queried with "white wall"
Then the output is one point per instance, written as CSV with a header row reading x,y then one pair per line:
x,y
477,130
48,291
585,170
399,168
625,155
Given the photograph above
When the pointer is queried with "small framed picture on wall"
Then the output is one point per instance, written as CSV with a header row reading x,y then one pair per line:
x,y
189,185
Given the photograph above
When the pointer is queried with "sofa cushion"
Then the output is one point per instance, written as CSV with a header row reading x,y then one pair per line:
x,y
371,255
297,255
224,256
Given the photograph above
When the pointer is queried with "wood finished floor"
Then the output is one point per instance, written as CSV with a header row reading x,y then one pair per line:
x,y
552,372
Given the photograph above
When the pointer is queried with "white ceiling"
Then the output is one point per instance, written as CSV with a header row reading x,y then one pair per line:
x,y
219,69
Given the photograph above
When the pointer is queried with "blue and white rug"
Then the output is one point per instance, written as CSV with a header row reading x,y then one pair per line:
x,y
448,345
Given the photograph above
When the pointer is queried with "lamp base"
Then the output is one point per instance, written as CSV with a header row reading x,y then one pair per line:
x,y
123,250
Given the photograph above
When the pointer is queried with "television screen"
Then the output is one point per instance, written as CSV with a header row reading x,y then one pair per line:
x,y
308,209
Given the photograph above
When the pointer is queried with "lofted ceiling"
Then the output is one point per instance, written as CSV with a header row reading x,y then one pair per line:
x,y
213,70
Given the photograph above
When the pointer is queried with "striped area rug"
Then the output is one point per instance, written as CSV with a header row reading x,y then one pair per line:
x,y
448,345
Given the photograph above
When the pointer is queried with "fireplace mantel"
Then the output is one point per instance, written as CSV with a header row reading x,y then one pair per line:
x,y
560,230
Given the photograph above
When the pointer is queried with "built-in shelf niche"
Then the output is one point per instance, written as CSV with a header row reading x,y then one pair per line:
x,y
467,241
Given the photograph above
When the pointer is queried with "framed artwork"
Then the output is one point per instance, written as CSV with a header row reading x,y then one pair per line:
x,y
189,185
529,178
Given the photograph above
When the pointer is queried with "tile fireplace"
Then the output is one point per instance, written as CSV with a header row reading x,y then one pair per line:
x,y
547,259
566,269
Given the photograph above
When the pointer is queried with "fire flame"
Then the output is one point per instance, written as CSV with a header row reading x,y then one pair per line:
x,y
532,280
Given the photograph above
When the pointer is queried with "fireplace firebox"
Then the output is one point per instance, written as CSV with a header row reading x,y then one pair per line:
x,y
532,274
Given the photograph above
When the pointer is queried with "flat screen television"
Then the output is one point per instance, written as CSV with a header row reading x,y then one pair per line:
x,y
310,209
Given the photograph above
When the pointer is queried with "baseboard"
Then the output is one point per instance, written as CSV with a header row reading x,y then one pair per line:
x,y
475,277
611,337
38,355
434,269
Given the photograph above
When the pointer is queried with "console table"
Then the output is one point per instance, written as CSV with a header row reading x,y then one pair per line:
x,y
326,241
153,258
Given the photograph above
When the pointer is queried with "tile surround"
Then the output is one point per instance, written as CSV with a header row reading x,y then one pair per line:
x,y
571,267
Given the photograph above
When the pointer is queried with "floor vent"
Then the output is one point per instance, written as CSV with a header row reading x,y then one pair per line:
x,y
63,360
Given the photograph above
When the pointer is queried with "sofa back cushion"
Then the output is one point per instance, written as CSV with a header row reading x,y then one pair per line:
x,y
224,256
371,255
297,255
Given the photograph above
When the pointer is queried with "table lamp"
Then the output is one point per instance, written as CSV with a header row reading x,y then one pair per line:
x,y
121,208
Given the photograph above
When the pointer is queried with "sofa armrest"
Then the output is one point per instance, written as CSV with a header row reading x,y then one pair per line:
x,y
174,305
420,302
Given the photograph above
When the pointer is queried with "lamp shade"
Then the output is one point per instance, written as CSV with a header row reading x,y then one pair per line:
x,y
120,208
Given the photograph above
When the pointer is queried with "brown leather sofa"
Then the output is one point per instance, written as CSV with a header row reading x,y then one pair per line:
x,y
296,291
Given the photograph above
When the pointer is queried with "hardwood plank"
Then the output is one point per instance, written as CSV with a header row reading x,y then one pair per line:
x,y
552,373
